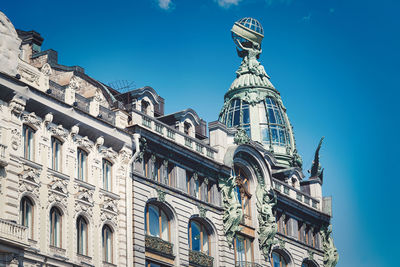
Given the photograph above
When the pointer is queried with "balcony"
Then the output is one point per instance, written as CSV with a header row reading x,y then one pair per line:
x,y
3,159
296,194
159,246
247,264
13,233
199,259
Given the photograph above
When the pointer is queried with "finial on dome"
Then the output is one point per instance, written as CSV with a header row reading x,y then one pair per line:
x,y
247,34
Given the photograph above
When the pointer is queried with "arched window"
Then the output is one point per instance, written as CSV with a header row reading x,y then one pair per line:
x,y
278,260
145,106
28,134
56,154
82,236
199,238
243,192
237,115
82,164
107,175
157,222
55,227
26,214
107,244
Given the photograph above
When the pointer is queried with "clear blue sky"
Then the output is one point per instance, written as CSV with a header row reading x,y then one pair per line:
x,y
334,62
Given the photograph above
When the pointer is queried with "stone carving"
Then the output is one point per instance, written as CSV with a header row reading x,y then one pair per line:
x,y
84,142
267,226
99,141
17,104
28,73
46,69
58,192
29,181
48,118
59,131
241,137
202,211
109,153
30,174
310,255
74,83
75,130
160,194
316,171
16,138
143,148
233,213
84,201
252,97
31,118
9,46
297,160
281,243
125,155
331,256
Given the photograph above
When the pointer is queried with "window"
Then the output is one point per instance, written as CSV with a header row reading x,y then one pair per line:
x,y
153,264
82,236
283,224
193,184
82,165
145,107
55,227
28,134
56,154
26,215
107,175
187,128
156,222
243,250
237,115
107,244
278,260
272,124
308,263
242,191
199,239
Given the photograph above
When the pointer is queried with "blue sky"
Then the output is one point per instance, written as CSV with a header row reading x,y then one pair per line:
x,y
334,62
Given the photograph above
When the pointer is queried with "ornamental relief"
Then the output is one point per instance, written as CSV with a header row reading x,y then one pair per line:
x,y
84,142
58,131
32,119
15,138
58,192
125,155
109,153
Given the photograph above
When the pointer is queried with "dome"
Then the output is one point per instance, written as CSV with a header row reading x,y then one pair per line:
x,y
252,24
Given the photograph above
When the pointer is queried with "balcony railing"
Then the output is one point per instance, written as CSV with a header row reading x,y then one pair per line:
x,y
296,194
13,233
159,246
196,258
106,115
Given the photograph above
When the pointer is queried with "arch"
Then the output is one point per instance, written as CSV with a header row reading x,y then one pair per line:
x,y
28,134
56,153
107,174
285,255
56,225
157,220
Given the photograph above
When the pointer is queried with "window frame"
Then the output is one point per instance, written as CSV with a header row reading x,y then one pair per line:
x,y
28,134
55,231
202,231
82,247
27,222
56,157
243,184
281,259
147,221
246,240
107,179
105,249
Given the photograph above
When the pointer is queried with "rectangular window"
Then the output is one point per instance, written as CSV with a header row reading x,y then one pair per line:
x,y
107,175
82,165
243,250
56,154
28,134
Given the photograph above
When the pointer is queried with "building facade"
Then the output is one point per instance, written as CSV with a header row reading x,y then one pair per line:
x,y
90,176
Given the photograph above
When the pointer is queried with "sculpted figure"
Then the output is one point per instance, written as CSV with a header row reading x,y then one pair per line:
x,y
266,200
233,213
331,256
9,46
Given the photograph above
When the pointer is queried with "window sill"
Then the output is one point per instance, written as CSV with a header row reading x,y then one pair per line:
x,y
84,184
31,163
109,194
58,174
108,264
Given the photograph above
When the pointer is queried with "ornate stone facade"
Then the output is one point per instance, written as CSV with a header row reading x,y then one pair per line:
x,y
91,179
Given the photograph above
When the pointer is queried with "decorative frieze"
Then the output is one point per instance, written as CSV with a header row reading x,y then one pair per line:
x,y
58,131
196,258
159,246
32,119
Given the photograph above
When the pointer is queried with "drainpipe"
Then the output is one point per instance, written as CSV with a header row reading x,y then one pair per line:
x,y
136,137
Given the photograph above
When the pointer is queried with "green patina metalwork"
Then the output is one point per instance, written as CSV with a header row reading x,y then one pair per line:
x,y
143,148
233,213
316,170
331,256
241,137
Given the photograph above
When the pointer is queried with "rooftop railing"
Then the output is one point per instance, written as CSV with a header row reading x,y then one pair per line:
x,y
296,194
107,115
82,103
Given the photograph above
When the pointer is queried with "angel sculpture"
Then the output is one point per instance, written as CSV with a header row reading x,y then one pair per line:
x,y
266,200
331,256
233,213
316,171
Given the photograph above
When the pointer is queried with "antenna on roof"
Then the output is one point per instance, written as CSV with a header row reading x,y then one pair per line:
x,y
122,86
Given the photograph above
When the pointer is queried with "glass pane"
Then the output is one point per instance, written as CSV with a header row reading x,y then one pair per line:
x,y
264,134
195,236
229,124
240,251
236,118
276,259
274,133
248,250
239,196
164,226
205,242
154,223
271,116
246,116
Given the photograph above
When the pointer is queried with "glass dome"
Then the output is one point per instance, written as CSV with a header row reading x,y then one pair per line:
x,y
252,24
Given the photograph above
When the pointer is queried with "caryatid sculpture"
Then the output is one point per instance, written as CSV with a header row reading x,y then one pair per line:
x,y
331,256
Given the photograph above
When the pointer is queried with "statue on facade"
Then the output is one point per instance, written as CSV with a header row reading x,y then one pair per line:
x,y
316,170
233,213
331,256
267,226
241,137
142,147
